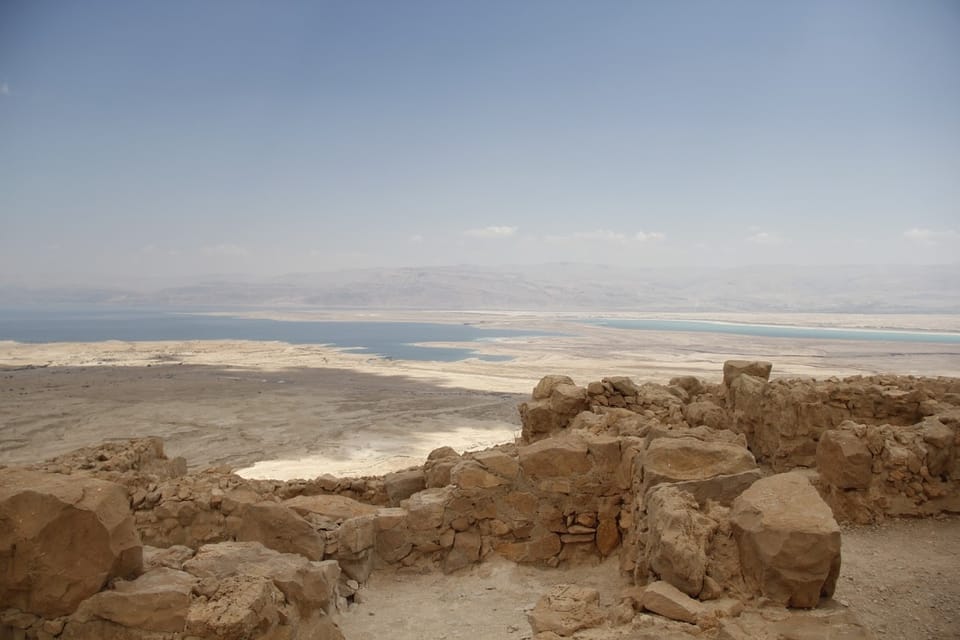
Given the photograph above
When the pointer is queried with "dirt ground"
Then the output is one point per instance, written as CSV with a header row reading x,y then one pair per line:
x,y
900,578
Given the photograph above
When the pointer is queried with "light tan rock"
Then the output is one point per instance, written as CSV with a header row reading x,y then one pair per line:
x,y
498,462
437,468
666,600
566,609
677,539
545,387
537,549
172,557
555,458
61,539
465,551
156,601
403,484
243,606
336,507
733,369
279,528
710,470
425,509
844,460
307,584
357,534
788,539
469,474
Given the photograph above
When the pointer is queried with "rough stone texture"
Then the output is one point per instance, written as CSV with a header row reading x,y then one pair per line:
x,y
156,601
556,401
668,601
336,507
171,557
307,584
733,369
677,539
566,609
788,539
553,464
61,539
279,528
697,462
403,484
545,387
844,460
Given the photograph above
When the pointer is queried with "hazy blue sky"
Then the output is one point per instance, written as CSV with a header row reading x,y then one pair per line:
x,y
164,138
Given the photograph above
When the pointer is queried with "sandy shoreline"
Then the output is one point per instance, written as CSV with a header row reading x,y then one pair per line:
x,y
282,410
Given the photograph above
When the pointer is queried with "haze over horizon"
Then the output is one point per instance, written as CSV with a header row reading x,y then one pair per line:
x,y
173,140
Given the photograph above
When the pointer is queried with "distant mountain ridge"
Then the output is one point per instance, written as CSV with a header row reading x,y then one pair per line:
x,y
557,286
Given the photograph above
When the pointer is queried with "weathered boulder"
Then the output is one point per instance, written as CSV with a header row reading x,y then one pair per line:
x,y
171,557
465,551
61,539
939,442
733,369
788,539
335,507
566,609
307,584
439,463
711,470
470,474
554,464
279,528
156,601
665,599
392,540
705,412
403,484
425,509
546,385
677,538
541,546
844,460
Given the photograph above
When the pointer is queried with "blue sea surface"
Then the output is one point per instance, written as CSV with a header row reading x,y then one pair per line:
x,y
394,340
778,331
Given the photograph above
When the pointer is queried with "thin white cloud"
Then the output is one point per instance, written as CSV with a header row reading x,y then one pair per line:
x,y
767,238
491,232
5,89
416,238
605,236
225,250
930,236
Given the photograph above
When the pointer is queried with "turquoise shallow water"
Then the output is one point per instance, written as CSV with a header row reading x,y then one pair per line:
x,y
778,331
388,339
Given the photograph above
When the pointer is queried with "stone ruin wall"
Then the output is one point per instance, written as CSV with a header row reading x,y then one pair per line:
x,y
669,477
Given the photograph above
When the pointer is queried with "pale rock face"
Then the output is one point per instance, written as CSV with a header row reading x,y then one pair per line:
x,y
61,539
556,401
335,507
555,458
788,539
545,387
733,369
566,609
677,538
156,601
307,584
279,528
668,601
712,470
844,460
403,484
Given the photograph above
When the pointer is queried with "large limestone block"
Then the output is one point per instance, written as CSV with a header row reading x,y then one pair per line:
x,y
61,539
677,538
555,458
844,460
279,528
566,609
306,583
334,507
156,601
555,403
403,484
788,539
733,369
241,607
425,509
546,385
538,548
668,601
708,469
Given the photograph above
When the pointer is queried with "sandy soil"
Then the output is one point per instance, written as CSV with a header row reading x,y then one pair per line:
x,y
900,578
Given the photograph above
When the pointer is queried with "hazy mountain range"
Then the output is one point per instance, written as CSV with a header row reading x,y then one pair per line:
x,y
558,286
